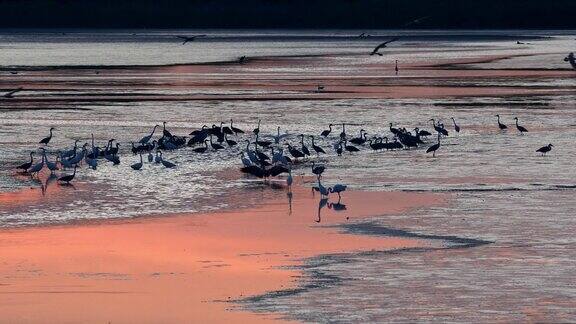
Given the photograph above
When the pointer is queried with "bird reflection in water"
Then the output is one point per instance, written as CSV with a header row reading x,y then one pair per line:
x,y
321,204
337,206
289,195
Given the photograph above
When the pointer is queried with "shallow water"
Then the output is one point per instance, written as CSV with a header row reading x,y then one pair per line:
x,y
502,190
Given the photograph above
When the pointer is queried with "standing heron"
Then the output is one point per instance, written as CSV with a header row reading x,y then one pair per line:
x,y
138,165
545,149
25,166
67,178
235,129
47,139
327,132
456,127
317,148
500,125
434,147
147,138
521,129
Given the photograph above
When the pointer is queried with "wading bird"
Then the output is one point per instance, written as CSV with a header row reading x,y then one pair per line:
x,y
147,138
521,129
27,165
545,149
327,132
338,188
434,147
138,165
500,125
67,178
47,139
317,148
456,127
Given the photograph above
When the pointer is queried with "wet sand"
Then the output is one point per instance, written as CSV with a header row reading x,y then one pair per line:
x,y
183,267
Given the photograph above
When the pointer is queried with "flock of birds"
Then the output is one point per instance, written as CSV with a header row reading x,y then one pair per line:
x,y
264,156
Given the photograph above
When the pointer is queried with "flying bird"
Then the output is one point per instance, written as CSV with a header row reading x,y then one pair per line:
x,y
186,39
383,45
10,94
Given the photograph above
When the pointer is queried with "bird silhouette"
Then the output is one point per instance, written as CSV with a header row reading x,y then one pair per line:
x,y
383,45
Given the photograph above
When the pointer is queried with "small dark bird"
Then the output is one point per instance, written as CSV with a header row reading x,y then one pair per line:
x,y
521,129
500,125
47,139
187,39
545,149
375,51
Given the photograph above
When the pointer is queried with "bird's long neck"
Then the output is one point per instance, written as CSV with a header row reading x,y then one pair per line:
x,y
330,127
75,167
516,122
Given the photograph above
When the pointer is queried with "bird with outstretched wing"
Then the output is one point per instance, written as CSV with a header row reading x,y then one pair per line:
x,y
375,51
186,39
11,93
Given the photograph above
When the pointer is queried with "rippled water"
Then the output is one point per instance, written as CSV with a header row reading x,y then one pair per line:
x,y
501,190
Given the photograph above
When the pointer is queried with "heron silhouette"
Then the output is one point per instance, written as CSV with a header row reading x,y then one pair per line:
x,y
383,45
186,39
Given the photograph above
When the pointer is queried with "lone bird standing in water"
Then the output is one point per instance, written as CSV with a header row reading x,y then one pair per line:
x,y
545,149
47,139
521,129
434,147
500,125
